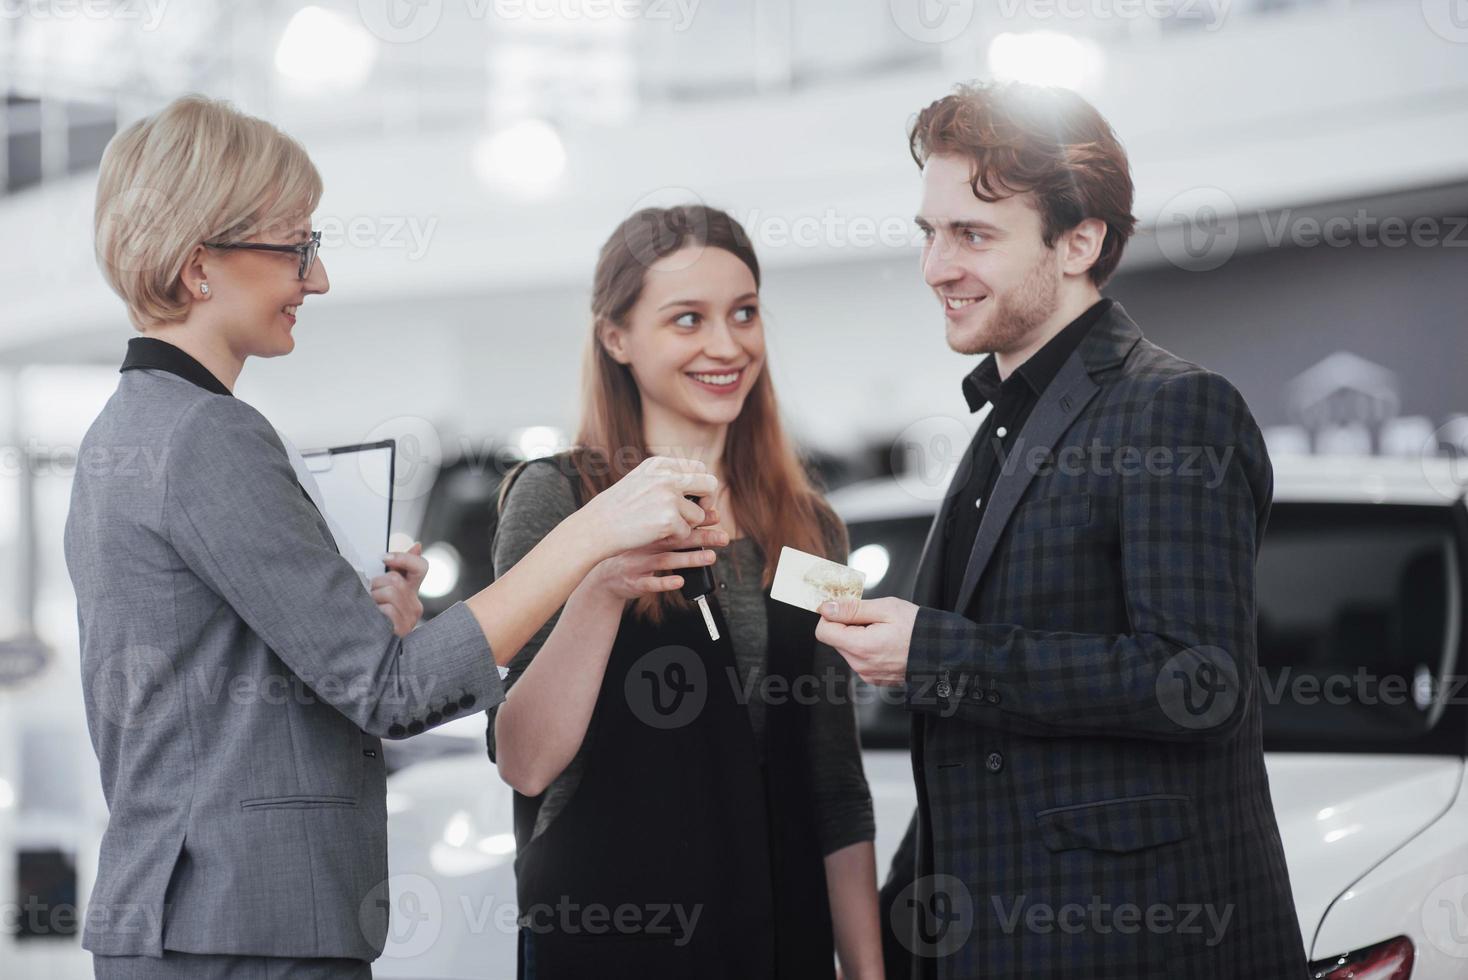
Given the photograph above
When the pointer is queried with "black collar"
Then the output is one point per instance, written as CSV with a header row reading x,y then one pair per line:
x,y
150,352
982,385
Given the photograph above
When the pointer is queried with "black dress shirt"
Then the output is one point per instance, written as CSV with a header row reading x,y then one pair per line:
x,y
1013,400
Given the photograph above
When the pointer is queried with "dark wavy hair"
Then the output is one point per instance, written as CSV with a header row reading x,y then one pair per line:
x,y
1034,138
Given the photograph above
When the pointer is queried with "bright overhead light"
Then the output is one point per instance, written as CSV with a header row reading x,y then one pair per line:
x,y
444,565
872,559
325,49
525,159
1047,58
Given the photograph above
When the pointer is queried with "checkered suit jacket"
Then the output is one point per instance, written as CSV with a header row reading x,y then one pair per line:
x,y
1092,798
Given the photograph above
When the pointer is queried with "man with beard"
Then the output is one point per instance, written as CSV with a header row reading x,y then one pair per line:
x,y
1079,661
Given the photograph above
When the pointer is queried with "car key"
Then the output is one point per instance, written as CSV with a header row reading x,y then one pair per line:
x,y
698,586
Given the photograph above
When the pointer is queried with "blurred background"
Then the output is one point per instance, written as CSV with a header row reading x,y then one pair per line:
x,y
1302,183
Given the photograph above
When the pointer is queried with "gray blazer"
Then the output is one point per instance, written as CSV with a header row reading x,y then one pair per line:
x,y
237,681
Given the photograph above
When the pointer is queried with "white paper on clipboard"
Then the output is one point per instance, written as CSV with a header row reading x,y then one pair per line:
x,y
355,485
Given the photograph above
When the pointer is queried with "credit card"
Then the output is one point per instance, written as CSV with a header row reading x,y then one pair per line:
x,y
808,580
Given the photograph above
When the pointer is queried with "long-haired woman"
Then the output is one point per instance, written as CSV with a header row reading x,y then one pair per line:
x,y
690,799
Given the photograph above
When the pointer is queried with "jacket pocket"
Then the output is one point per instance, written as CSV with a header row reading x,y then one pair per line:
x,y
1121,825
298,802
1068,510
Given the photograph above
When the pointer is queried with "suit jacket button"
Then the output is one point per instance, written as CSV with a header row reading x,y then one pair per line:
x,y
992,697
995,762
434,718
396,731
451,709
944,689
415,726
466,702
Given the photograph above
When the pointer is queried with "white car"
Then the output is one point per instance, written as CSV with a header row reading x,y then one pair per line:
x,y
1361,599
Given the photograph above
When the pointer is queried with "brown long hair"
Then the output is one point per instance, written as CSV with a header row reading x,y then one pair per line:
x,y
770,492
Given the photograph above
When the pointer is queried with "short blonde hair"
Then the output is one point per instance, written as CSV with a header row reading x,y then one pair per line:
x,y
197,171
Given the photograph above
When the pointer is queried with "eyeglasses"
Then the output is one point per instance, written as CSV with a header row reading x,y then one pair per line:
x,y
307,250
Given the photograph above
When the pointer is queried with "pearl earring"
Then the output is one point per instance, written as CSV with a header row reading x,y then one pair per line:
x,y
204,288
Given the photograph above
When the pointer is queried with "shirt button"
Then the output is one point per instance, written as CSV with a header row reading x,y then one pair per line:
x,y
995,762
978,503
1001,432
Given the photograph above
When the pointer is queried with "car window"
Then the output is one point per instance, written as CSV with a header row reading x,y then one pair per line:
x,y
1359,611
1359,628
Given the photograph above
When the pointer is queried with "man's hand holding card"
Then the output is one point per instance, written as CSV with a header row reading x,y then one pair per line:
x,y
873,635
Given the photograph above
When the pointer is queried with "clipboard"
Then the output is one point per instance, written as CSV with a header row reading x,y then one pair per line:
x,y
356,485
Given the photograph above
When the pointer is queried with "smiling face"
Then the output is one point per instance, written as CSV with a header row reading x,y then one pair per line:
x,y
694,340
987,263
254,295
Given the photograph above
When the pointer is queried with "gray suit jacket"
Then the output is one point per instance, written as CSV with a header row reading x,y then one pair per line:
x,y
237,681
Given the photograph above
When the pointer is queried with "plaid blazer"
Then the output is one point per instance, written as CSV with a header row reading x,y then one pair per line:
x,y
1092,798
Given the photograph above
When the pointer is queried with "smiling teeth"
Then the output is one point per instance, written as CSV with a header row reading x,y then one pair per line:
x,y
717,379
958,304
291,309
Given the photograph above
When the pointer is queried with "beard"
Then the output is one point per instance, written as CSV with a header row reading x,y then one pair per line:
x,y
1017,313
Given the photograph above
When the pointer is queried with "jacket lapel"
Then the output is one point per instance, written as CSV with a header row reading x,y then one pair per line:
x,y
1067,395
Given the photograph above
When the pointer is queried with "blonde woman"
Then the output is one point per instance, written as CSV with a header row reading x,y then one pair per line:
x,y
238,676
